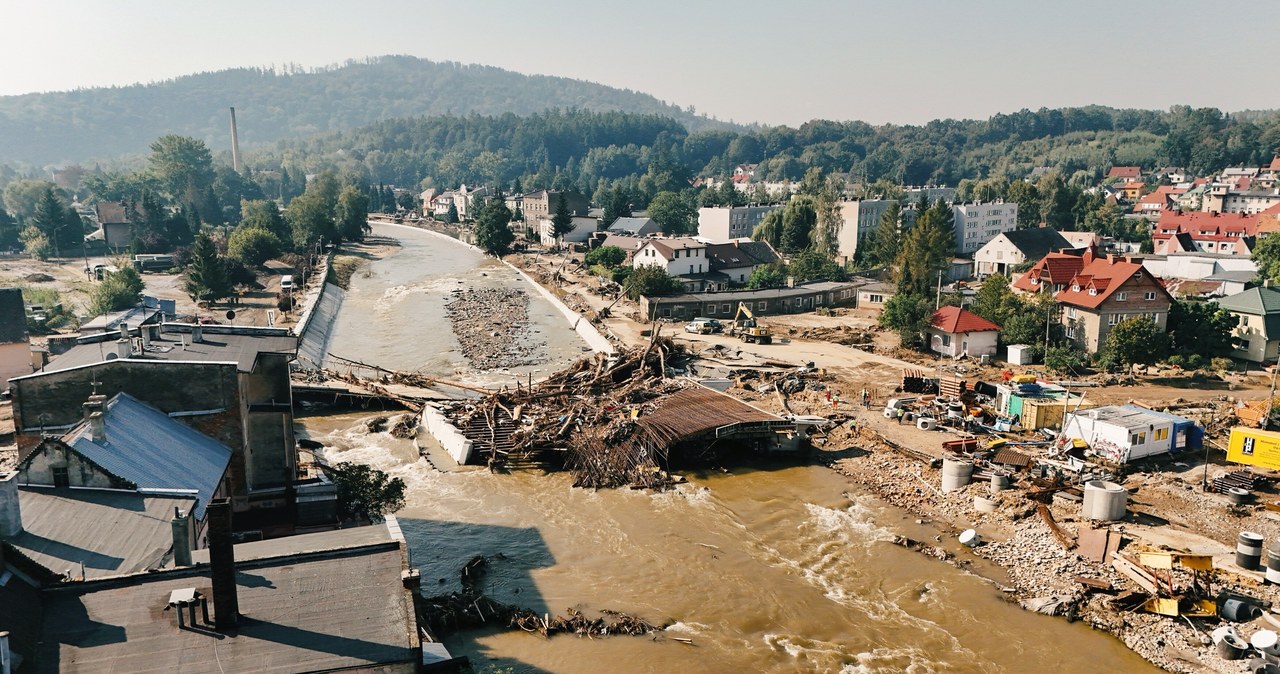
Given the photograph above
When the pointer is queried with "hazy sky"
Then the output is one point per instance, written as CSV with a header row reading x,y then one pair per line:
x,y
747,60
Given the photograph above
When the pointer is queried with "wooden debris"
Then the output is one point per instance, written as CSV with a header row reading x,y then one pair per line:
x,y
1066,541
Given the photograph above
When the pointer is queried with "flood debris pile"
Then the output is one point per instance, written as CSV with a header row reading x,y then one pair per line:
x,y
492,327
403,426
470,609
579,414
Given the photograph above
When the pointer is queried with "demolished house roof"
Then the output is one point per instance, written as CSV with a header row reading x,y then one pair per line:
x,y
697,410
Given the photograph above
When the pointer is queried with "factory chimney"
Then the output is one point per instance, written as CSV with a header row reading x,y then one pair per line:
x,y
235,145
222,566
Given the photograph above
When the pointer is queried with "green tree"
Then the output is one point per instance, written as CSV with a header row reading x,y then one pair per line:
x,y
908,315
351,214
253,245
1200,328
266,215
812,265
10,234
649,281
493,228
798,220
772,275
562,221
119,290
769,229
1136,341
310,220
451,216
207,277
1024,194
607,256
996,302
617,206
1064,359
20,196
49,217
184,167
926,251
1266,254
673,214
885,241
365,492
36,243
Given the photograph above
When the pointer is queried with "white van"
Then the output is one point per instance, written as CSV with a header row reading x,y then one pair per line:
x,y
286,283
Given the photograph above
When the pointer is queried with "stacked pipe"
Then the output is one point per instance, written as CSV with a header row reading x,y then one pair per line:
x,y
1273,563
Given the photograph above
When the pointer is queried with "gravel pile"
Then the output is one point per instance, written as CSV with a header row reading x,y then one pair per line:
x,y
492,327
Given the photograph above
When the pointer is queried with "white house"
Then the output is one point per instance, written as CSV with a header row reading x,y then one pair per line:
x,y
955,332
582,230
977,223
678,256
1127,433
1011,249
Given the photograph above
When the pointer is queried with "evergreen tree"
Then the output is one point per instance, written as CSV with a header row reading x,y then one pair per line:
x,y
207,276
493,228
562,221
886,239
617,206
452,216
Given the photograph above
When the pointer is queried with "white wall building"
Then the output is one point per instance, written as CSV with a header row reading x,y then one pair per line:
x,y
978,223
859,217
722,224
678,256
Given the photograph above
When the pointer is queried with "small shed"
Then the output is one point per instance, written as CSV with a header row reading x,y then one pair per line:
x,y
955,332
1020,354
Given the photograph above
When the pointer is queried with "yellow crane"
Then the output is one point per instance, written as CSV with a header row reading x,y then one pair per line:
x,y
745,326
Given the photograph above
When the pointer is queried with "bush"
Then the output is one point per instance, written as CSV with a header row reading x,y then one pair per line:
x,y
607,256
620,274
1064,360
649,281
1195,361
1221,364
253,245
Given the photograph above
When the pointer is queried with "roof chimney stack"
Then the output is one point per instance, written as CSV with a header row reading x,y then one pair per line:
x,y
98,427
124,347
222,566
95,403
197,333
181,525
10,511
124,331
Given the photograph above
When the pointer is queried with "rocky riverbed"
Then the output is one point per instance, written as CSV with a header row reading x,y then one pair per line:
x,y
492,327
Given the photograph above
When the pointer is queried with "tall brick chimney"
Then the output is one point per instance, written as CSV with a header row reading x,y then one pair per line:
x,y
222,566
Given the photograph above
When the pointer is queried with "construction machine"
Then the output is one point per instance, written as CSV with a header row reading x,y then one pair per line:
x,y
746,327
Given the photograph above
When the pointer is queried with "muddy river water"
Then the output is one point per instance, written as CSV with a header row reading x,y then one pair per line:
x,y
768,568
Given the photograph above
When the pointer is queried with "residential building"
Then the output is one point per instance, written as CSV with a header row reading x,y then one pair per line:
x,y
912,194
955,332
738,260
332,601
1131,190
113,221
635,226
468,201
1082,239
977,223
721,224
441,203
629,244
1225,233
1225,198
1054,271
1106,292
1124,433
1164,198
542,204
126,444
1124,173
804,297
1199,266
1256,337
872,296
1009,250
234,388
677,256
15,344
583,228
859,220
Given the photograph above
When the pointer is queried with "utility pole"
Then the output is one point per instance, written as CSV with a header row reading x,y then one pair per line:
x,y
937,302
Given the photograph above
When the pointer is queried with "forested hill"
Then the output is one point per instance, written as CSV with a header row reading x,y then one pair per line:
x,y
48,128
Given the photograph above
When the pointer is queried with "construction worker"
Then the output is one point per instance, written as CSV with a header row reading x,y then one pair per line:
x,y
866,397
900,413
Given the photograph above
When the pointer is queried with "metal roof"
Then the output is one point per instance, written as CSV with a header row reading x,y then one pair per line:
x,y
698,410
342,611
1125,416
1257,301
236,345
146,447
112,532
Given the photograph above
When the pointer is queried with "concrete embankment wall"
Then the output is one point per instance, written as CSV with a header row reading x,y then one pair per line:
x,y
448,435
314,344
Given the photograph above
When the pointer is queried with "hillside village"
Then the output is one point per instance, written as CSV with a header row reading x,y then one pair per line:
x,y
1086,408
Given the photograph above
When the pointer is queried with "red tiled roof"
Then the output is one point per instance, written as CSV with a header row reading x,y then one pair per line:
x,y
1275,163
1203,226
1124,172
956,320
1053,269
1103,277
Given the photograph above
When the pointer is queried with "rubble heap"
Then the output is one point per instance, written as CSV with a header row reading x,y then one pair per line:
x,y
492,327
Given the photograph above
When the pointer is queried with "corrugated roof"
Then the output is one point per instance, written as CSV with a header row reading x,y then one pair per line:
x,y
343,611
112,532
956,320
1256,301
698,410
146,447
218,346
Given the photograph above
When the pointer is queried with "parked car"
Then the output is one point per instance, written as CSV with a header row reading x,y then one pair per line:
x,y
286,283
716,326
699,327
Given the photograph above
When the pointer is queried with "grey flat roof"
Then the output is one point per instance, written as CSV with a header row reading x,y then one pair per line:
x,y
134,316
112,532
338,539
241,348
343,611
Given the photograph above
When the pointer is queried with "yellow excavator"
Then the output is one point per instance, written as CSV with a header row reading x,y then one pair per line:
x,y
746,327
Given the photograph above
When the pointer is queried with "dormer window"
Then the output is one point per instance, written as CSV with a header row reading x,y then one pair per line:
x,y
1093,291
1035,281
1075,288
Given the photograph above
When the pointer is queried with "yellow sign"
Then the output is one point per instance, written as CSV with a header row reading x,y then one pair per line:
x,y
1254,448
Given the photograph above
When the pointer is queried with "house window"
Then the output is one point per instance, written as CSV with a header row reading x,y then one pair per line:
x,y
875,299
1138,438
1113,319
763,305
724,307
1149,296
1075,288
690,269
1071,312
1071,332
1093,291
711,310
1244,321
946,340
1120,297
60,477
1161,434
